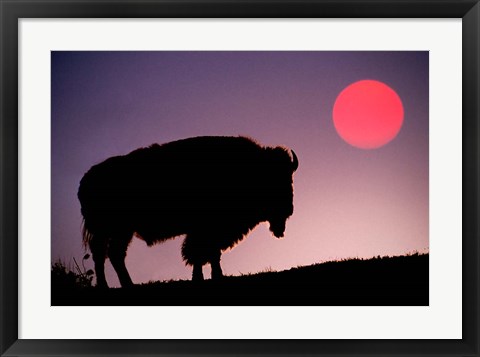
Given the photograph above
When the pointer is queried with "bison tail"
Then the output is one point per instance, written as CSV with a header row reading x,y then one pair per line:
x,y
87,234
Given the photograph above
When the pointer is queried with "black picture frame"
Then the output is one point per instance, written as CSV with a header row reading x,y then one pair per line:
x,y
11,11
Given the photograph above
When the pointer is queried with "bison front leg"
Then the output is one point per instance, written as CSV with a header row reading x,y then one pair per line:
x,y
216,268
197,274
193,254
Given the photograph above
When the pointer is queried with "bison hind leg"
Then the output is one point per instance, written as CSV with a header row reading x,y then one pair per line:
x,y
117,251
98,247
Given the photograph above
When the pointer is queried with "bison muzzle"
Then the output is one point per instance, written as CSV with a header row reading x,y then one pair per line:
x,y
213,190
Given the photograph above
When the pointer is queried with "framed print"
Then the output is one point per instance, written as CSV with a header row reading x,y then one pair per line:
x,y
239,178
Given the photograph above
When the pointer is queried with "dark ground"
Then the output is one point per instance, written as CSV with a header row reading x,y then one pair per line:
x,y
386,281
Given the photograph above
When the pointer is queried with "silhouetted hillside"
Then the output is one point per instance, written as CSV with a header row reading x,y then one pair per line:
x,y
399,280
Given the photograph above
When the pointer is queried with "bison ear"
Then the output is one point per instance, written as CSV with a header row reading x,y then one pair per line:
x,y
294,161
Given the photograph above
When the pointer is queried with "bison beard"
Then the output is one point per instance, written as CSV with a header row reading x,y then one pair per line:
x,y
212,189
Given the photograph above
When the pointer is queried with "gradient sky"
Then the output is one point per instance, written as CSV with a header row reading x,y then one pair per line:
x,y
348,202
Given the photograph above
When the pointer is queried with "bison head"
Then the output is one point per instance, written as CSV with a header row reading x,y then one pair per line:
x,y
280,189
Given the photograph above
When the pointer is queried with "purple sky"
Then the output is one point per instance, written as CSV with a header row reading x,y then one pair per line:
x,y
348,202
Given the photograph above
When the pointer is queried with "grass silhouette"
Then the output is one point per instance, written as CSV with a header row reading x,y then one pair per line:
x,y
380,281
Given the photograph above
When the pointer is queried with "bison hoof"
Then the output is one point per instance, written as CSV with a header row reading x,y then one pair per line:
x,y
217,275
101,286
197,276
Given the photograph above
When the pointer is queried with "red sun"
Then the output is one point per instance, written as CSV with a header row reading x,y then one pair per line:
x,y
368,114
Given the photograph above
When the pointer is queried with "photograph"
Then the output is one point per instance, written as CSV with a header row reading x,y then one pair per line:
x,y
240,178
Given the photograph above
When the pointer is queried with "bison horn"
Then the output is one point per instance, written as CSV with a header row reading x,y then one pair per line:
x,y
294,161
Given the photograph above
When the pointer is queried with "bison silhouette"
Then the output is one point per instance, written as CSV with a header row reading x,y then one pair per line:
x,y
214,190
